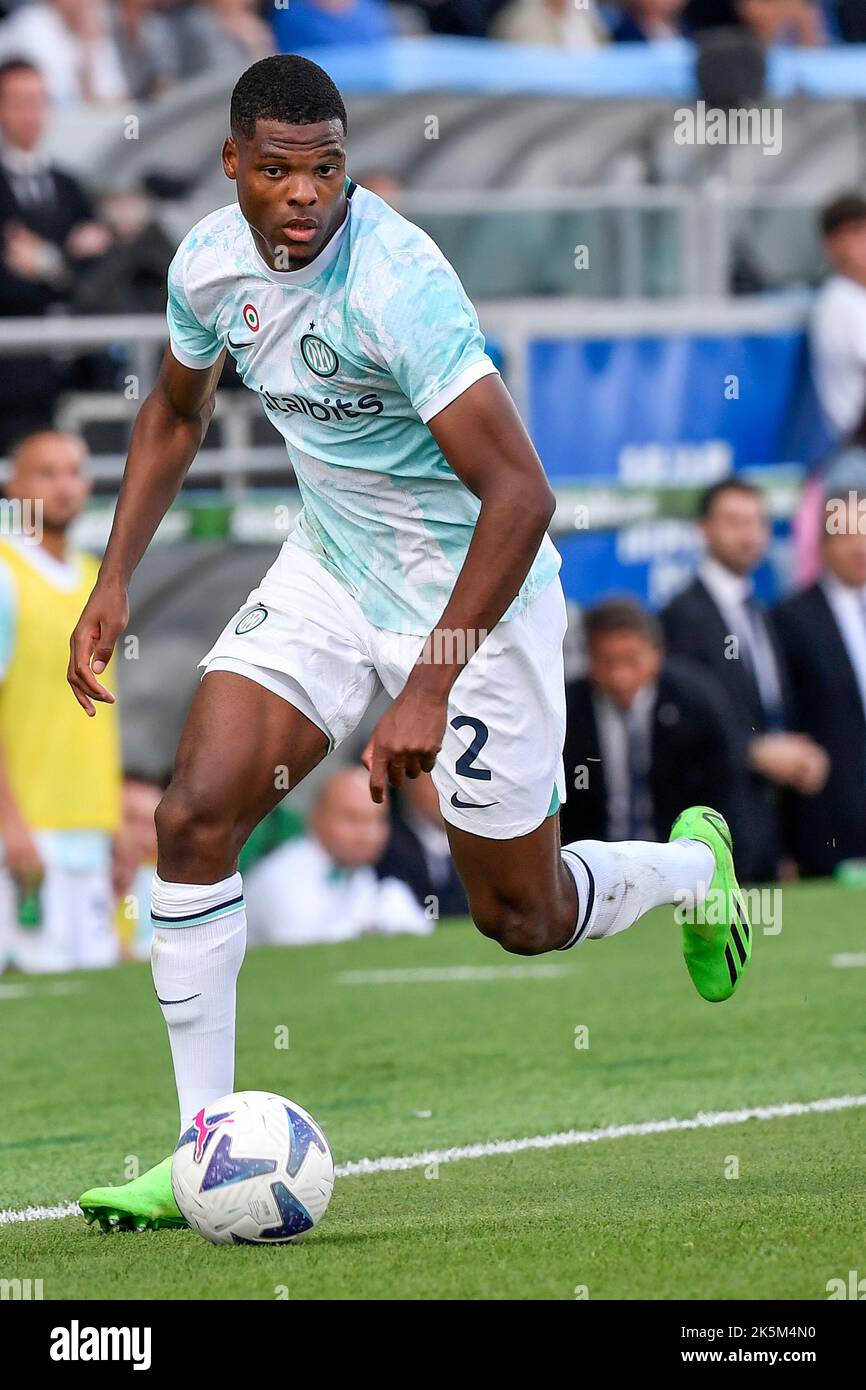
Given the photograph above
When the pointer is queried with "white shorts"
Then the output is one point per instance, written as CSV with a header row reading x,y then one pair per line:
x,y
499,772
77,909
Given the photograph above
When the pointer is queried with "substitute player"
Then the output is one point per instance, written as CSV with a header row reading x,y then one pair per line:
x,y
420,563
59,781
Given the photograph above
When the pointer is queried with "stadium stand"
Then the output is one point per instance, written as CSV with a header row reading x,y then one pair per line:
x,y
647,298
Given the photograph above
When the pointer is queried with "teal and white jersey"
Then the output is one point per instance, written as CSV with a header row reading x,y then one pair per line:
x,y
351,355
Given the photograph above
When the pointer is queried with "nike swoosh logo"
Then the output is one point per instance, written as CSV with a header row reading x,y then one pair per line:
x,y
239,345
470,805
179,1001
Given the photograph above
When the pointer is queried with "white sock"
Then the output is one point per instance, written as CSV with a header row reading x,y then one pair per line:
x,y
199,938
618,883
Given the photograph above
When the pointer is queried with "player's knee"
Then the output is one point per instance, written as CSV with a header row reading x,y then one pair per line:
x,y
520,931
187,827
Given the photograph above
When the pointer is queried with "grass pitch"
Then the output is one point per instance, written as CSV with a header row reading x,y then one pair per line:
x,y
391,1063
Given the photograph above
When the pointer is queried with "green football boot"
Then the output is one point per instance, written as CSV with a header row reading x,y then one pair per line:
x,y
145,1204
717,936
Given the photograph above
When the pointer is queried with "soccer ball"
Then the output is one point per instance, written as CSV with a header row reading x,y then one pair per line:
x,y
252,1169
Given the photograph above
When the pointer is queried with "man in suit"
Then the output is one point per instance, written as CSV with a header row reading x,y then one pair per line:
x,y
718,622
823,633
645,735
418,853
48,232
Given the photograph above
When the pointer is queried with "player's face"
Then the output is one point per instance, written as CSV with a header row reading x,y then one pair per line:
x,y
291,187
50,469
621,664
736,531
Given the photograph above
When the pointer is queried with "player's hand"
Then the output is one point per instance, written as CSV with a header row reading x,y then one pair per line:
x,y
406,740
105,616
21,852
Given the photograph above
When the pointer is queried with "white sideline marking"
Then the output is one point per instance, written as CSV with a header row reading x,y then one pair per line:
x,y
11,1218
364,1167
843,960
35,992
705,1119
435,975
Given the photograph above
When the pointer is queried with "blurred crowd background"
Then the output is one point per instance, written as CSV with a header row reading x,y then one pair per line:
x,y
678,309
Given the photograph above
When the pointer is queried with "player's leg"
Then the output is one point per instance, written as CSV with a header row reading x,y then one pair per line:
x,y
500,779
241,745
298,668
531,895
520,892
515,891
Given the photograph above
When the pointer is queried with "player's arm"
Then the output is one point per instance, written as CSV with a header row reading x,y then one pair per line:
x,y
483,439
166,436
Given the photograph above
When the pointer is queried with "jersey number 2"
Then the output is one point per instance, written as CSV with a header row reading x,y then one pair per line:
x,y
463,766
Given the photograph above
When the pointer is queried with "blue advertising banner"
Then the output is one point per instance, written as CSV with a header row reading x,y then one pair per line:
x,y
667,412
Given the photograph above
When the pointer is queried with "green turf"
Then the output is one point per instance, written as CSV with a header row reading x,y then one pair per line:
x,y
87,1088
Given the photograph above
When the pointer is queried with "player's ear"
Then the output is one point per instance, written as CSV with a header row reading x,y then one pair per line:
x,y
230,157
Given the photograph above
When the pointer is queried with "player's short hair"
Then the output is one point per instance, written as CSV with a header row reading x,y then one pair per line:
x,y
284,88
842,212
710,495
622,615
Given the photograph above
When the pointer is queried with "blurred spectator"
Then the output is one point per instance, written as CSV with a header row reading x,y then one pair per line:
x,y
645,735
471,18
852,20
383,185
48,234
837,341
223,34
646,21
309,23
148,46
823,633
418,852
718,622
838,326
59,771
557,23
130,279
282,824
73,44
798,22
217,34
324,887
47,220
133,863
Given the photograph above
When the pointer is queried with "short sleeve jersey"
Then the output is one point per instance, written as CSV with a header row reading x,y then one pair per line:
x,y
351,356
